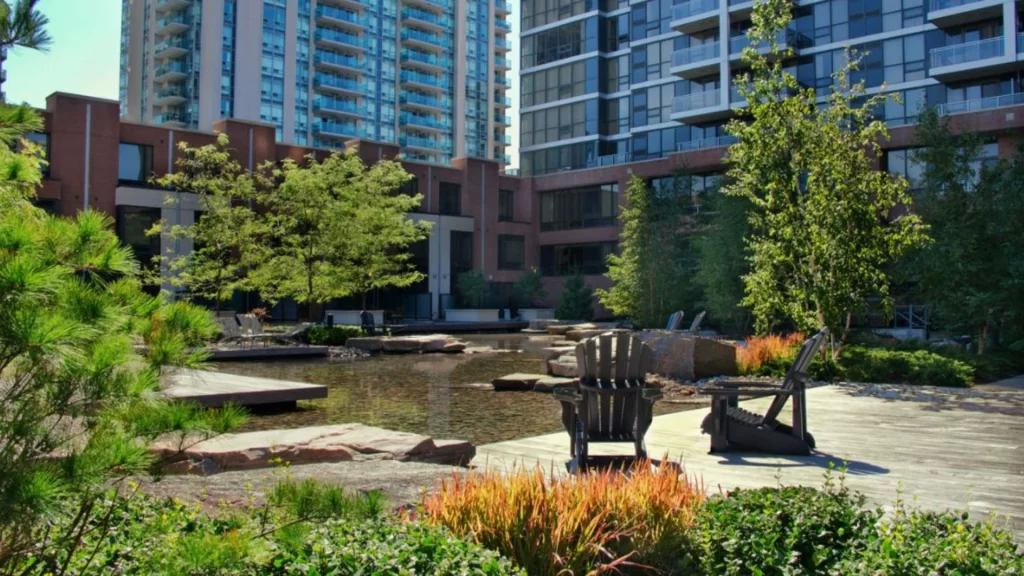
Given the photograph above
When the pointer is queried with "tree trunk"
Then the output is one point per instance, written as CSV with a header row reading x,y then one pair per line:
x,y
309,299
364,300
982,336
842,339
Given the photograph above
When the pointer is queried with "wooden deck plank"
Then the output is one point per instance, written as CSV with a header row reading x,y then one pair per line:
x,y
214,389
948,448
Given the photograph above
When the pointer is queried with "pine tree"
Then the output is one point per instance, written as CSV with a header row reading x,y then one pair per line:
x,y
577,301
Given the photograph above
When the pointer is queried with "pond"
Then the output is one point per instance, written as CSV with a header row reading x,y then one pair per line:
x,y
420,393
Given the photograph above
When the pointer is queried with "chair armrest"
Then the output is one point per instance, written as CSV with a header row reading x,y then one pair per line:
x,y
653,394
748,383
567,395
744,391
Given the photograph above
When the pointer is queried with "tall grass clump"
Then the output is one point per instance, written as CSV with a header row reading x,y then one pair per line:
x,y
601,521
762,351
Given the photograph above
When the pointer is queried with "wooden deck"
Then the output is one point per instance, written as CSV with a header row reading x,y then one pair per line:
x,y
948,448
214,389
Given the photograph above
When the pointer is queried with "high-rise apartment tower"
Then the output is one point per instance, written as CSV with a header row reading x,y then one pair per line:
x,y
427,75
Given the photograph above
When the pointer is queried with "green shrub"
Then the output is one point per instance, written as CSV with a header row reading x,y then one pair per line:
x,y
994,364
903,367
577,301
787,530
918,542
333,336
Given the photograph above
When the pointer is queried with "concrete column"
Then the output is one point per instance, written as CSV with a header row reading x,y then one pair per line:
x,y
459,81
290,59
136,15
723,53
212,38
248,55
1010,28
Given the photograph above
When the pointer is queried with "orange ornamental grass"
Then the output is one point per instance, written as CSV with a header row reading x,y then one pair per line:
x,y
761,350
588,524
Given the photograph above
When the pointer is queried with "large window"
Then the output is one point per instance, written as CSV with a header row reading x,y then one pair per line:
x,y
559,43
410,188
559,123
557,158
451,199
511,252
902,162
506,206
134,162
589,207
132,224
560,82
652,61
568,259
540,12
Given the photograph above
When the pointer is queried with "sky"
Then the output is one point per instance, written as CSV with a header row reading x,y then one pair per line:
x,y
84,58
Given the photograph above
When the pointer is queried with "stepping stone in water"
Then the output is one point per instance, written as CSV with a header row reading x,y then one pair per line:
x,y
549,384
517,381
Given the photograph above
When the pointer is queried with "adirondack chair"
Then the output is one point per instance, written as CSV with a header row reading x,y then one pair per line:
x,y
229,328
674,321
608,405
254,328
368,326
733,428
695,325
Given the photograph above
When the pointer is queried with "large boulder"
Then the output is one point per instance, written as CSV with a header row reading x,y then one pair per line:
x,y
552,352
549,384
683,356
402,345
516,381
713,358
563,366
336,443
365,343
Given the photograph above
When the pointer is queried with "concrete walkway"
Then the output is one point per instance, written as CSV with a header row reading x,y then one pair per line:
x,y
947,447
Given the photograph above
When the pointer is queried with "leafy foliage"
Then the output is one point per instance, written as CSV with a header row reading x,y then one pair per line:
x,y
23,25
822,228
331,336
529,290
973,273
653,271
599,521
902,367
722,260
577,301
228,239
472,288
782,531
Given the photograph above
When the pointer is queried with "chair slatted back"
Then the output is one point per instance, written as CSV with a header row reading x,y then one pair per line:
x,y
612,382
796,375
251,323
697,321
229,327
674,321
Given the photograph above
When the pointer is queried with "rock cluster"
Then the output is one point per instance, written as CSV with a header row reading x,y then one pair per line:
x,y
337,443
416,344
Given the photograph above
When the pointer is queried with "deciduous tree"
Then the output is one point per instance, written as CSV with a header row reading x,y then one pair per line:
x,y
721,251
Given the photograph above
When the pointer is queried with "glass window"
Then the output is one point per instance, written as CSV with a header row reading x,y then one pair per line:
x,y
565,260
588,207
132,224
134,162
506,206
511,252
451,198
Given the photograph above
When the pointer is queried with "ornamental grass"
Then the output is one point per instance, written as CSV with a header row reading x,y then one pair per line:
x,y
765,350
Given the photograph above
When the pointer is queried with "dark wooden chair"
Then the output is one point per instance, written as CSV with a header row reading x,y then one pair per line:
x,y
367,323
697,320
674,321
734,429
609,404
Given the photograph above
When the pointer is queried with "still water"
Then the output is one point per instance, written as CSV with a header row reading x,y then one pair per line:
x,y
419,393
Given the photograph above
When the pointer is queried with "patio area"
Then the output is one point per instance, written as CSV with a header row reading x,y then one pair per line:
x,y
947,447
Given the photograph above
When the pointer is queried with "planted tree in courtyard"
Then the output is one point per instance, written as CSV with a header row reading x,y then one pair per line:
x,y
822,225
339,228
75,415
653,271
972,275
529,289
228,238
577,301
721,252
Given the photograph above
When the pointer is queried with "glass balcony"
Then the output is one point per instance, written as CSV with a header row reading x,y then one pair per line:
x,y
503,81
502,25
695,54
338,83
171,118
171,47
418,142
406,119
334,60
171,24
696,101
503,139
425,59
426,39
967,52
424,100
326,35
694,16
502,44
500,62
338,129
947,4
500,100
339,106
503,120
433,4
784,38
424,17
704,143
977,104
170,71
505,158
411,76
693,8
502,7
168,95
170,5
353,19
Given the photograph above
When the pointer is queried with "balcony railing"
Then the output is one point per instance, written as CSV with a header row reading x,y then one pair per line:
x,y
425,79
505,120
424,58
981,104
339,82
422,100
419,142
424,16
345,129
503,81
175,66
967,52
171,117
328,35
335,13
503,25
501,6
174,42
424,121
1020,43
170,92
339,105
171,20
696,101
426,37
705,143
504,139
502,43
323,57
502,100
947,4
694,54
502,62
785,39
693,8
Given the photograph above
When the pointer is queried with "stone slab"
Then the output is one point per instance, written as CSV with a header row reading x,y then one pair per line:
x,y
215,389
412,344
337,443
563,366
517,381
549,384
552,352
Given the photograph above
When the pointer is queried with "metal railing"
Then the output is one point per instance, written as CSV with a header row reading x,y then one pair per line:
x,y
696,101
340,14
425,79
326,34
981,104
425,121
705,143
697,53
785,39
338,105
693,8
424,16
426,37
967,52
431,101
324,57
947,4
419,142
